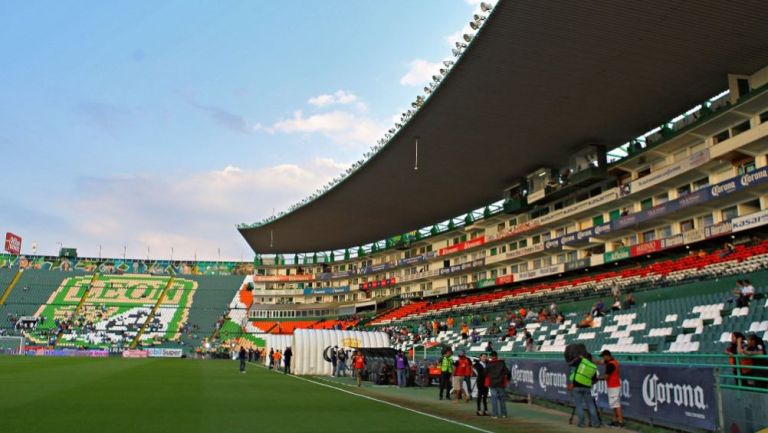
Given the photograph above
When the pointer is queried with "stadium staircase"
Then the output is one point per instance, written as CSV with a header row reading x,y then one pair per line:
x,y
10,286
152,313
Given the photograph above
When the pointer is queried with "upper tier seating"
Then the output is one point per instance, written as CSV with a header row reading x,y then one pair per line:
x,y
744,259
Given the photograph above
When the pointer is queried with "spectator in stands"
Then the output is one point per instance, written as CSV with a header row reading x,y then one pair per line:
x,y
553,308
446,371
464,331
475,336
734,348
287,355
401,366
586,322
598,309
728,249
748,291
498,376
489,347
529,342
580,381
616,304
629,301
243,356
613,384
482,389
358,364
758,377
522,312
450,322
462,372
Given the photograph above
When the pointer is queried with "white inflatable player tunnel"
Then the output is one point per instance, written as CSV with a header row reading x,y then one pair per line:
x,y
310,345
276,342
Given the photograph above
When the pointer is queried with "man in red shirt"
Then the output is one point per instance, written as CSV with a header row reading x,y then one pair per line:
x,y
358,365
461,375
613,382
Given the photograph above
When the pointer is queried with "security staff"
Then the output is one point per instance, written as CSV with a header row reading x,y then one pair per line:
x,y
583,375
446,371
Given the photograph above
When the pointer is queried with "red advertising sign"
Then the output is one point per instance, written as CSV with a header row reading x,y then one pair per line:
x,y
506,279
283,278
12,243
474,242
645,248
376,284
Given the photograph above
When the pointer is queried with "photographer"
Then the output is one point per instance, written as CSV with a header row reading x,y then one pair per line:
x,y
580,381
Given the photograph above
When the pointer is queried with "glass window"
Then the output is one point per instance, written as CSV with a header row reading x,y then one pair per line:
x,y
596,221
614,214
730,212
683,190
493,251
686,225
646,204
701,183
649,236
665,232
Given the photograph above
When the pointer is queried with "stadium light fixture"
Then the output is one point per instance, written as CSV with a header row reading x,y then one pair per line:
x,y
467,38
455,52
474,25
485,7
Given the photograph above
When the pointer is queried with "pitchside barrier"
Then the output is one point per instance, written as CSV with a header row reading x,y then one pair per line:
x,y
686,392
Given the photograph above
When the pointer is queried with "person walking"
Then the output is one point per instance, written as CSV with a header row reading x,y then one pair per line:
x,y
580,380
482,389
401,365
498,376
287,355
613,383
446,371
358,364
243,355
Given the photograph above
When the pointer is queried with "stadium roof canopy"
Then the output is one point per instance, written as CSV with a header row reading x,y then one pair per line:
x,y
541,79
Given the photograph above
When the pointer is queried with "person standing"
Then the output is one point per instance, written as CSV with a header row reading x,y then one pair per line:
x,y
243,357
341,362
334,349
446,371
358,363
482,389
583,375
276,357
462,374
613,383
401,365
287,355
497,378
271,358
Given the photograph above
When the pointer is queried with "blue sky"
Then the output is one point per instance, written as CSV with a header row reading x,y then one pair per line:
x,y
165,124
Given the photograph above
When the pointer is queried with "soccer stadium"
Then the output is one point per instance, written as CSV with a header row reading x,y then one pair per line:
x,y
566,229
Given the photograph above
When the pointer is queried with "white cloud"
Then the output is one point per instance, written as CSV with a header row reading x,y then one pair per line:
x,y
342,127
340,97
187,211
420,72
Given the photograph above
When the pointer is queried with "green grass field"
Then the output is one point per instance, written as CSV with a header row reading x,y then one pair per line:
x,y
179,395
